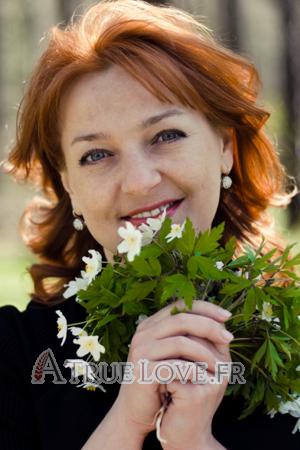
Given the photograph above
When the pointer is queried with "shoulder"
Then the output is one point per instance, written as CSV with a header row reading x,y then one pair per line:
x,y
24,334
10,330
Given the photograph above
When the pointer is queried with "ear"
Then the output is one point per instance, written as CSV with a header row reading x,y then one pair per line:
x,y
66,184
227,152
65,181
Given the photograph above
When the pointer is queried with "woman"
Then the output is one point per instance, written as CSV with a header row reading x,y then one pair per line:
x,y
133,108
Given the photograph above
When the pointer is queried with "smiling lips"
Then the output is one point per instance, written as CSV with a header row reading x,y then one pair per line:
x,y
138,217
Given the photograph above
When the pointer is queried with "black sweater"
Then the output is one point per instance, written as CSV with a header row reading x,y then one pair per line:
x,y
50,416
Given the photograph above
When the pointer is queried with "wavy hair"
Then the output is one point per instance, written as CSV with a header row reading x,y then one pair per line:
x,y
161,47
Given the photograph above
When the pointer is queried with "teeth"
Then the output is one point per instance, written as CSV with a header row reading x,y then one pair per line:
x,y
153,212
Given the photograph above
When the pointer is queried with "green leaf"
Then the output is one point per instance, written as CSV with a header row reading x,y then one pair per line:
x,y
155,267
107,319
263,261
249,305
186,243
165,229
188,293
208,269
106,276
95,296
285,317
138,291
234,288
259,354
250,253
283,347
133,309
295,261
238,262
141,266
150,268
192,266
208,241
120,327
181,287
168,292
151,251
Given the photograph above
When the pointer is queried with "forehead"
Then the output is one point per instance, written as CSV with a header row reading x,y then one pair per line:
x,y
110,94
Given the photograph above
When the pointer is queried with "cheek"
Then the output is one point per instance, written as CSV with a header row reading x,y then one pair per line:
x,y
88,193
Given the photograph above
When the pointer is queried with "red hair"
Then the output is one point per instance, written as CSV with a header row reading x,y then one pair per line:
x,y
169,52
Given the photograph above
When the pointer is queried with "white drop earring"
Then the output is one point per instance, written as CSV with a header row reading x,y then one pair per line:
x,y
226,182
78,222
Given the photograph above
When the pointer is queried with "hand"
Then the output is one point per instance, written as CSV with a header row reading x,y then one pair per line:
x,y
194,336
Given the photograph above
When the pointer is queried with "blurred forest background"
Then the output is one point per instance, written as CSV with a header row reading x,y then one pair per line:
x,y
266,31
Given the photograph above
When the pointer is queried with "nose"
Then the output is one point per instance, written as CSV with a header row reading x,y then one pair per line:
x,y
139,175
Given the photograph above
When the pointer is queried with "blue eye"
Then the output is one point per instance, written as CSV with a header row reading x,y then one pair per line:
x,y
169,133
92,157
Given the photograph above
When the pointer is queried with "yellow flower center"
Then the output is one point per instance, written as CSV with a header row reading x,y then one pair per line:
x,y
268,310
88,268
90,388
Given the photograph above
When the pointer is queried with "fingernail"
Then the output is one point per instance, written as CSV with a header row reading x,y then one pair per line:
x,y
225,313
227,335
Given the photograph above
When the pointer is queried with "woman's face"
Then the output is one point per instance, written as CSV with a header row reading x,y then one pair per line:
x,y
121,157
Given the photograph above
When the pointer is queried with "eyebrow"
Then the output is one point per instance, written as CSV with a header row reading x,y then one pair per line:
x,y
143,125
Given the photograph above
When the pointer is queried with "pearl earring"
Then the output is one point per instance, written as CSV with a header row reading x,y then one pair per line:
x,y
78,222
226,182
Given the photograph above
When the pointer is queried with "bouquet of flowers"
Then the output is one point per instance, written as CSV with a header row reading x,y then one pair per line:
x,y
166,261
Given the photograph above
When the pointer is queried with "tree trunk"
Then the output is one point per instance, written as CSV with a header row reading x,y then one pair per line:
x,y
291,94
65,9
231,24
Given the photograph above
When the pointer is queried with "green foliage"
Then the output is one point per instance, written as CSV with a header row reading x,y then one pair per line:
x,y
265,311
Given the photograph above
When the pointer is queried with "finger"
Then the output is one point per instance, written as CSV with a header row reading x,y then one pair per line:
x,y
184,348
193,392
199,307
196,325
165,371
221,352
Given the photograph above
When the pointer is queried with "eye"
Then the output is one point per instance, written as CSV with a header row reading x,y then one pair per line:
x,y
170,135
92,156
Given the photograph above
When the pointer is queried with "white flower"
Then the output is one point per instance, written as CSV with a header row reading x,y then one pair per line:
x,y
176,231
76,331
272,413
276,323
61,326
93,265
92,268
267,312
298,368
156,224
297,427
132,242
79,367
219,265
90,386
238,272
151,227
147,234
74,286
89,344
141,318
292,408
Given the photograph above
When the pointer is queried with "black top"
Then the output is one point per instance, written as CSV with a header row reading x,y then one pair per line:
x,y
50,416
